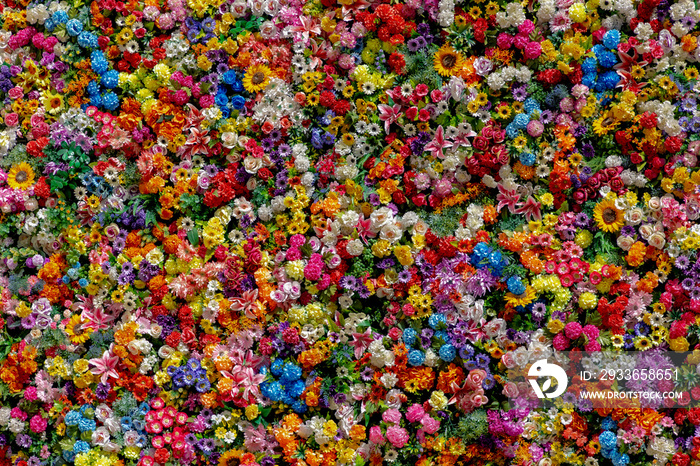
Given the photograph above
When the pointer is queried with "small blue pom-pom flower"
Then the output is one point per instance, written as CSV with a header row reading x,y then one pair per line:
x,y
611,39
416,357
447,352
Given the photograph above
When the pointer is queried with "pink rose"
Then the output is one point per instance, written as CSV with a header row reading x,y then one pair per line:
x,y
375,435
476,378
16,93
11,119
429,424
398,436
511,390
415,413
392,416
422,90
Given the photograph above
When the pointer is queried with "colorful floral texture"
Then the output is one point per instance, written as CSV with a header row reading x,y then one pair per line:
x,y
319,232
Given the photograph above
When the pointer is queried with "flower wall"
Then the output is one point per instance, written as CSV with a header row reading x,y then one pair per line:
x,y
319,233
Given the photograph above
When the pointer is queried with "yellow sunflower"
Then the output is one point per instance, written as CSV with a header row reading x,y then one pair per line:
x,y
608,217
256,78
603,125
76,332
21,176
447,61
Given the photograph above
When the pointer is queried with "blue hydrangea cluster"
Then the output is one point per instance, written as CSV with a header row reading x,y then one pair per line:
x,y
109,99
608,448
288,386
485,257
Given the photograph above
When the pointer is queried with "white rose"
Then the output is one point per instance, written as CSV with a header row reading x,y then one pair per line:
x,y
252,164
657,240
355,247
229,140
625,242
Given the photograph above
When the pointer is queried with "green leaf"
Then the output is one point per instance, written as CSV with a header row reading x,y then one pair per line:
x,y
193,236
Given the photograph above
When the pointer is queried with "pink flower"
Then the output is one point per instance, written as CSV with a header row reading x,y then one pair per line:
x,y
38,424
591,331
573,330
475,378
533,50
392,416
375,435
11,119
504,40
526,27
520,41
30,394
592,346
415,412
430,425
398,436
17,413
560,342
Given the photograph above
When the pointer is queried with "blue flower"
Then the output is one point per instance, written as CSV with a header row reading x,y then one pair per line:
x,y
607,59
512,131
608,424
531,105
611,39
447,352
416,357
409,336
527,159
274,391
294,389
290,373
276,367
81,446
238,102
607,439
86,425
521,120
110,101
126,423
515,285
437,321
60,17
221,100
230,77
589,65
98,62
74,27
299,407
72,418
203,385
110,79
87,40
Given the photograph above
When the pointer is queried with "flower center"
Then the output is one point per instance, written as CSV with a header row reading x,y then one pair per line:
x,y
609,215
258,78
448,61
21,176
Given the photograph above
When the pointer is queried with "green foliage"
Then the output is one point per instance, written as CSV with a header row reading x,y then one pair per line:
x,y
446,222
472,426
419,67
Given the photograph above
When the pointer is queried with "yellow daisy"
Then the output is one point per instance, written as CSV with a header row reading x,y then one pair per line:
x,y
21,176
447,61
256,78
76,332
608,217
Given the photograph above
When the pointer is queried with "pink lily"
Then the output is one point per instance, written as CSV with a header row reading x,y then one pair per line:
x,y
438,143
507,198
389,115
246,303
364,228
531,208
105,365
361,341
308,26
